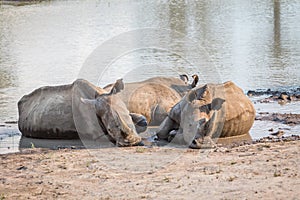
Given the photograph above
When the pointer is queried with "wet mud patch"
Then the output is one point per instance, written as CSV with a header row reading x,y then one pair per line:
x,y
289,119
279,96
261,92
271,139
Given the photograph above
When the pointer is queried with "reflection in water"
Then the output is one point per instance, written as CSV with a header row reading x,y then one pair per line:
x,y
7,72
7,79
277,43
177,16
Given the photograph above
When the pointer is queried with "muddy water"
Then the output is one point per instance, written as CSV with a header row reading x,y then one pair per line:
x,y
256,44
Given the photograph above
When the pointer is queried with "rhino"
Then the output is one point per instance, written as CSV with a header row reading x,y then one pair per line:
x,y
154,97
208,113
79,109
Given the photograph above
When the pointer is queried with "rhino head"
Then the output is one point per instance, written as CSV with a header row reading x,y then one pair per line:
x,y
199,114
114,118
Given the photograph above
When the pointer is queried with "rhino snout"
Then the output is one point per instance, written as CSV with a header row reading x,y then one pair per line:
x,y
130,141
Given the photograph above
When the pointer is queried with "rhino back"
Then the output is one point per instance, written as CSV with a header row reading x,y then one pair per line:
x,y
47,113
153,97
239,111
153,100
51,111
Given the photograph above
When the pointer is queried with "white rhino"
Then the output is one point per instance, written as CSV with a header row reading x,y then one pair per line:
x,y
154,97
61,112
220,111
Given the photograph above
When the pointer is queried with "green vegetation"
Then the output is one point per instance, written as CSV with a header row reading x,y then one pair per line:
x,y
2,196
32,146
140,150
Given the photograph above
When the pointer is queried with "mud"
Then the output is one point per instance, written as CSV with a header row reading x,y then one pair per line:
x,y
276,96
286,118
261,92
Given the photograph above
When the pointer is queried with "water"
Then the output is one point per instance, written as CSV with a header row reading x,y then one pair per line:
x,y
254,43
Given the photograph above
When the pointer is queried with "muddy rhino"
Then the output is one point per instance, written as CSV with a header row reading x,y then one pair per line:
x,y
154,97
61,112
205,113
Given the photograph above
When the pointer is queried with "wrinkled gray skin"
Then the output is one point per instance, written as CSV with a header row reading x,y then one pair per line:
x,y
206,112
154,97
52,112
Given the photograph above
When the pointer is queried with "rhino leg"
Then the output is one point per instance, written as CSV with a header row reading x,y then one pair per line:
x,y
165,128
172,134
140,122
203,138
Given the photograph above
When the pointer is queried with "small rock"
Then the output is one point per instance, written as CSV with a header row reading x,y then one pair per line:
x,y
11,122
278,133
39,182
283,96
22,168
288,129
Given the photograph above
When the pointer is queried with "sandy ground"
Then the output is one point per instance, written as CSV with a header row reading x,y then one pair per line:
x,y
262,170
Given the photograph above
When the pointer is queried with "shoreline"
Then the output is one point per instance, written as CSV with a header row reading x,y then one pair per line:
x,y
19,2
261,170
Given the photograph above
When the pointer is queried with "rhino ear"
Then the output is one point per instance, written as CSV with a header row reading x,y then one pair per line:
x,y
117,87
140,122
195,80
217,103
184,78
203,94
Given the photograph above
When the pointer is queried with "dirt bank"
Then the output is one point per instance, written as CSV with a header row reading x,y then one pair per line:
x,y
262,170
